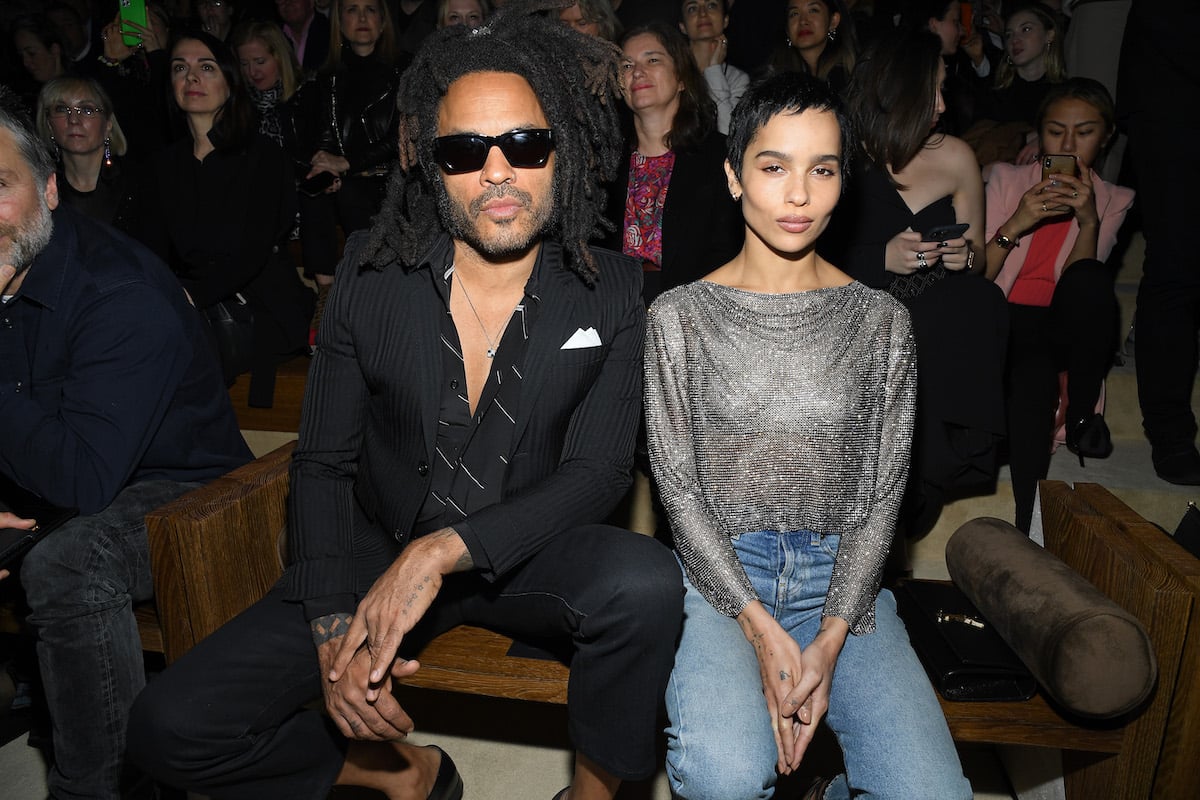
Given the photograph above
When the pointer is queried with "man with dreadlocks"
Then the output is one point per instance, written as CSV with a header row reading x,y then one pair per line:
x,y
469,422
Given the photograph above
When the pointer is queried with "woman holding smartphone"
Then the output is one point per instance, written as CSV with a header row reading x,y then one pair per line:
x,y
1048,237
779,409
912,181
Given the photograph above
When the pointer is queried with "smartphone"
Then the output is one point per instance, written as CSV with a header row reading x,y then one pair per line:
x,y
1058,164
966,19
132,11
317,184
944,233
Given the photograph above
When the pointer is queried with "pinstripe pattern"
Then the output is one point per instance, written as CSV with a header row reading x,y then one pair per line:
x,y
370,418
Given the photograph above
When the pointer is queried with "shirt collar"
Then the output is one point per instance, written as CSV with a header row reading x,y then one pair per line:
x,y
47,274
439,260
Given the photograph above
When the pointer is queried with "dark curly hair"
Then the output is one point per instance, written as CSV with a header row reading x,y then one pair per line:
x,y
577,81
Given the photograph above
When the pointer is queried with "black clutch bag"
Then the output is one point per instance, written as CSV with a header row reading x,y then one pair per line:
x,y
964,655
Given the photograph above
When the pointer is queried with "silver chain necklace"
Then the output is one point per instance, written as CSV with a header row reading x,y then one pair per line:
x,y
491,352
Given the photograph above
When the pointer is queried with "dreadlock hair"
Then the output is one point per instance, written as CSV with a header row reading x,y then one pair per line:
x,y
576,80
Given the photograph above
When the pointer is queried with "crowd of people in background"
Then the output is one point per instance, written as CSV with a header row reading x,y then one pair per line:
x,y
985,187
306,90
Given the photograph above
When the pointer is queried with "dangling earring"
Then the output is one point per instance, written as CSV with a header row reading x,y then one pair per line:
x,y
832,34
788,39
57,149
107,152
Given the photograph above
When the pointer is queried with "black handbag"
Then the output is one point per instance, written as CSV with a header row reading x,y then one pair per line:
x,y
964,655
231,323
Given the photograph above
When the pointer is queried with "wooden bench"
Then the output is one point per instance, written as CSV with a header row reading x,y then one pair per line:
x,y
1151,753
215,550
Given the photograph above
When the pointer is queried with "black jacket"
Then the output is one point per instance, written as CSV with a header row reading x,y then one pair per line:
x,y
350,111
702,226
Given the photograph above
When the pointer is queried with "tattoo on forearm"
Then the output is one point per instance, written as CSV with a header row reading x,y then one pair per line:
x,y
330,627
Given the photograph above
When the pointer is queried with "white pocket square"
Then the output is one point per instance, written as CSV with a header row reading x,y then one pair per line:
x,y
581,339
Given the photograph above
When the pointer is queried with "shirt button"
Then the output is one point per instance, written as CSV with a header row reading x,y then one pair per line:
x,y
454,384
422,469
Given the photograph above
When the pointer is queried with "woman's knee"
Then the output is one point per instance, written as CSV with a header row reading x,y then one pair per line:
x,y
721,768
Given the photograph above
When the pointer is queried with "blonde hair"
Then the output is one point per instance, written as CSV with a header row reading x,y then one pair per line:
x,y
1056,68
61,90
272,37
385,48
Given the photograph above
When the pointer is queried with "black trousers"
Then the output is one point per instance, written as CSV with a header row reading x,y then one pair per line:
x,y
1077,332
1167,167
351,208
232,718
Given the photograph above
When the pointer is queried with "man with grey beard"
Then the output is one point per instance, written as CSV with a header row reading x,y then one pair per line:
x,y
113,404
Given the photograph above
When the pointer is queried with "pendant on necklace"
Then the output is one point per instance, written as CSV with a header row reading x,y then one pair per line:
x,y
491,353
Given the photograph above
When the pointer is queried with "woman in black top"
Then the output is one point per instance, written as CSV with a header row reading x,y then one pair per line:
x,y
345,132
75,115
218,204
670,205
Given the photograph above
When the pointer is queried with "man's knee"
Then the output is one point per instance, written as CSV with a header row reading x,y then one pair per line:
x,y
642,583
85,565
160,737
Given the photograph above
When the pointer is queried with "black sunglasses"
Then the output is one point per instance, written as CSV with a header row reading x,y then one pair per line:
x,y
468,152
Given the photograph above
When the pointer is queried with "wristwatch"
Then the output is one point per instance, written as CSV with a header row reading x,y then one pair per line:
x,y
1003,242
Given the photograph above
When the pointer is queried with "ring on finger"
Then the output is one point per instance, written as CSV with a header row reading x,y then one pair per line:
x,y
1074,194
1043,205
921,262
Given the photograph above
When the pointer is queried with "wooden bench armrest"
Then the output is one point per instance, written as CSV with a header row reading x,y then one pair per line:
x,y
215,550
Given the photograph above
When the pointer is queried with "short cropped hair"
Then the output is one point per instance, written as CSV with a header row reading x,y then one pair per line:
x,y
785,93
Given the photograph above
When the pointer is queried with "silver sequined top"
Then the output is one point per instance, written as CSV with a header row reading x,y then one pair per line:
x,y
781,412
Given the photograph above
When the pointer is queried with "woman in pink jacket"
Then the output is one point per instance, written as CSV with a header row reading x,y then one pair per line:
x,y
1048,237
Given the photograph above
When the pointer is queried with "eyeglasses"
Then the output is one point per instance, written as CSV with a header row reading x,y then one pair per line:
x,y
468,152
58,112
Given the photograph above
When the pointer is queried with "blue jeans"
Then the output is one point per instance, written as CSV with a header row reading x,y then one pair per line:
x,y
882,708
82,582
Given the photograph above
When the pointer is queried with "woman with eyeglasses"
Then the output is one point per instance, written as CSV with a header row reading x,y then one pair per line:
x,y
75,116
344,133
669,205
217,206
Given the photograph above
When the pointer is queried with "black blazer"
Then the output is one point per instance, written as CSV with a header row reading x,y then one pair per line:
x,y
361,470
702,226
